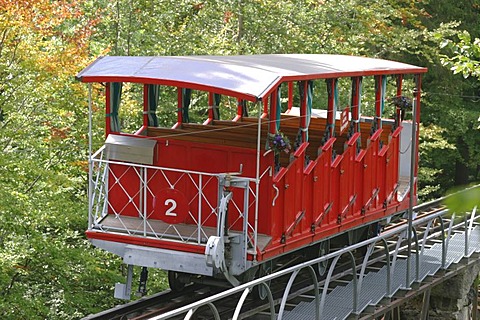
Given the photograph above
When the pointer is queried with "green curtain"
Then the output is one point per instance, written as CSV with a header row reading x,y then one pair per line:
x,y
153,96
115,100
279,107
355,93
309,104
384,89
244,108
186,96
332,88
216,103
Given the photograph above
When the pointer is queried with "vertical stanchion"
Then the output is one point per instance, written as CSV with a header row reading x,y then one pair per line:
x,y
90,162
413,158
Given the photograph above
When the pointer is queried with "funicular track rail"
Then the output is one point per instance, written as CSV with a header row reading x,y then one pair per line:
x,y
170,305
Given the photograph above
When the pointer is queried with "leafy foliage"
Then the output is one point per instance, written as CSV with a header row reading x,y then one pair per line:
x,y
435,160
451,101
466,55
47,268
45,263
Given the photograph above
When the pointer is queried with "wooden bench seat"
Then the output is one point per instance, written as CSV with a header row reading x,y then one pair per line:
x,y
243,133
230,136
365,128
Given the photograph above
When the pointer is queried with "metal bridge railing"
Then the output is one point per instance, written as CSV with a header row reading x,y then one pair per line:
x,y
357,300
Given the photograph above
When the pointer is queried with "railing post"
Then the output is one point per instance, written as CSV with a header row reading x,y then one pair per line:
x,y
327,282
200,197
387,257
413,158
450,227
144,193
90,162
212,307
240,303
289,286
285,294
444,247
417,255
364,265
245,224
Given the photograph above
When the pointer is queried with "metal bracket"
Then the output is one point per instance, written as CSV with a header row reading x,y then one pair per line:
x,y
124,290
370,201
215,252
320,218
215,248
300,215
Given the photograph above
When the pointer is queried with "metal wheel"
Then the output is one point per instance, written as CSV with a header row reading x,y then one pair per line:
x,y
323,249
259,291
175,282
316,251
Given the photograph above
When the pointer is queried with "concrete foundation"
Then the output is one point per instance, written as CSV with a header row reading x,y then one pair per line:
x,y
454,299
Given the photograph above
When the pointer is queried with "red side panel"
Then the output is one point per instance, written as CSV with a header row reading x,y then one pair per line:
x,y
123,194
300,203
194,194
382,175
323,191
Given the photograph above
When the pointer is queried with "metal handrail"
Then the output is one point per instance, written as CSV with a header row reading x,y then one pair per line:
x,y
100,171
294,270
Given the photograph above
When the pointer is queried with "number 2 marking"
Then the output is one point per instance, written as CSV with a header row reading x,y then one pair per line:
x,y
169,211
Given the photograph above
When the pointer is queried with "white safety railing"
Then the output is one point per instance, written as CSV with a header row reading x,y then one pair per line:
x,y
122,199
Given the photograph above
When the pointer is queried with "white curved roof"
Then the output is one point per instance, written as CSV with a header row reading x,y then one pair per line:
x,y
250,77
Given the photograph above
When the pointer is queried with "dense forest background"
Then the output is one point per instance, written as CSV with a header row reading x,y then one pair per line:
x,y
47,268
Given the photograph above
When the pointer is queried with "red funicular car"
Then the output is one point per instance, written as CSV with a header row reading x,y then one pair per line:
x,y
227,199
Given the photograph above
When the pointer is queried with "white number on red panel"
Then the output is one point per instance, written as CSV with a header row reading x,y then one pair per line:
x,y
173,206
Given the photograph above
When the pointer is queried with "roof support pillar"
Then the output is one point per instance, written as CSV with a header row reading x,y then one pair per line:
x,y
398,110
355,102
107,109
265,108
332,106
210,108
303,110
378,102
179,108
290,96
418,93
145,105
272,126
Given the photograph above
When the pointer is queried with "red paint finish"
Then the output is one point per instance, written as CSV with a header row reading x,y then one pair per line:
x,y
123,195
311,197
314,201
170,205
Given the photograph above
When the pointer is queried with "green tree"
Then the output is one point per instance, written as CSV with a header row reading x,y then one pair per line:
x,y
451,103
464,59
465,55
47,268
